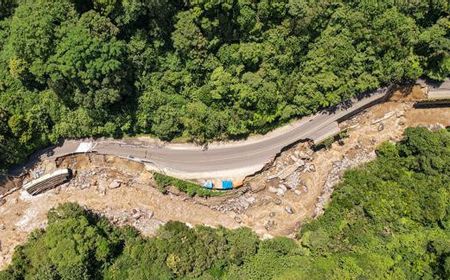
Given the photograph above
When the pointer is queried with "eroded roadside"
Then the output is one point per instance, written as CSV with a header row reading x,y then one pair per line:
x,y
275,202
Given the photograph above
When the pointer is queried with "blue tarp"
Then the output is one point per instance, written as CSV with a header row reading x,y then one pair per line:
x,y
208,185
227,184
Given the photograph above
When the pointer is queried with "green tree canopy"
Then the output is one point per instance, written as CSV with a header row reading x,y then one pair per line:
x,y
203,70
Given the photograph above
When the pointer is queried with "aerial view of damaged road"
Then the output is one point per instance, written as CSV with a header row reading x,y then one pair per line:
x,y
227,139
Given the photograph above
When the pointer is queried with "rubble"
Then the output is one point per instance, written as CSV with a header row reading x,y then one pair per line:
x,y
435,127
85,186
101,188
251,199
236,204
269,224
305,188
280,192
141,218
293,180
310,167
256,187
115,184
286,172
289,210
277,201
399,114
272,189
304,155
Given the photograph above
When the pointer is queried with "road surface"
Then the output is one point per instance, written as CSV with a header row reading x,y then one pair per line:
x,y
232,160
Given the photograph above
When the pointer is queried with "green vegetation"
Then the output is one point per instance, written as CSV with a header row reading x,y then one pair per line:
x,y
387,220
326,144
79,245
190,188
200,69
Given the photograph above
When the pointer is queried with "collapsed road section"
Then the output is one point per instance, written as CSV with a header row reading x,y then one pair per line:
x,y
232,161
48,181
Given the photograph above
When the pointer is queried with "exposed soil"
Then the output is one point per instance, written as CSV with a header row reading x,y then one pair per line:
x,y
135,201
293,189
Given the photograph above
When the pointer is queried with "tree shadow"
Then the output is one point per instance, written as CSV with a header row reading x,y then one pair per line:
x,y
20,169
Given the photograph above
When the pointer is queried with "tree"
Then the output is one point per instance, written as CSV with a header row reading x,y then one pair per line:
x,y
434,47
206,70
188,38
33,37
9,145
166,123
7,7
92,74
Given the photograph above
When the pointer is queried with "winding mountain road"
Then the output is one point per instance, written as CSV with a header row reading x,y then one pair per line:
x,y
230,160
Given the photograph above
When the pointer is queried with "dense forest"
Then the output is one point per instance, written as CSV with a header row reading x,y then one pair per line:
x,y
389,219
198,70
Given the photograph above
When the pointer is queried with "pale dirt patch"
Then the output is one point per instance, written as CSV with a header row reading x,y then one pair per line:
x,y
409,93
136,202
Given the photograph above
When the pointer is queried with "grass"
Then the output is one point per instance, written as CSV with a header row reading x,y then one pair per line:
x,y
191,189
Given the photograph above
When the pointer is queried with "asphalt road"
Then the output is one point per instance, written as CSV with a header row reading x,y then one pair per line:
x,y
233,160
230,160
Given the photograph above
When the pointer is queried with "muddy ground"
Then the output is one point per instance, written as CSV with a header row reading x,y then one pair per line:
x,y
293,189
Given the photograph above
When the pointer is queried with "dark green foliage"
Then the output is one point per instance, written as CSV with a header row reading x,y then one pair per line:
x,y
92,73
163,181
200,70
75,245
387,220
80,245
33,36
7,8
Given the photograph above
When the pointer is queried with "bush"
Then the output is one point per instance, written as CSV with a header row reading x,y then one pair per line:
x,y
163,181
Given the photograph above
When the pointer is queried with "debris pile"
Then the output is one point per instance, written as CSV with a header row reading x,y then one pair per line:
x,y
236,204
286,171
140,218
289,210
99,180
435,127
84,179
